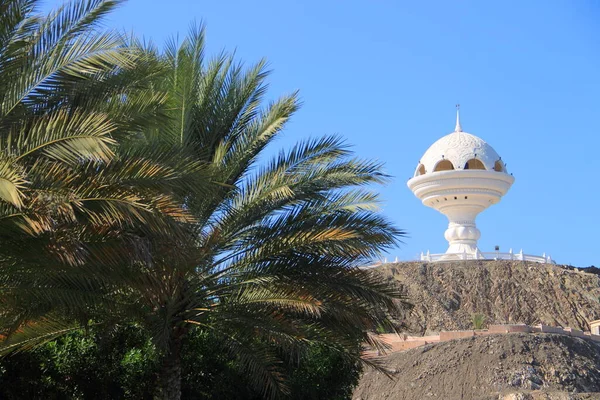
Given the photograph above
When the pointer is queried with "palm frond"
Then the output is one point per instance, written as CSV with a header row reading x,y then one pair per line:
x,y
12,183
34,334
59,49
65,136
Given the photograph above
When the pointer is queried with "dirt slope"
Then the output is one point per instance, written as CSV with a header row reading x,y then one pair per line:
x,y
447,295
506,367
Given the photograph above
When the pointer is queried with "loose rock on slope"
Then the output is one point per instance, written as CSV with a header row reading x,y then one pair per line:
x,y
505,367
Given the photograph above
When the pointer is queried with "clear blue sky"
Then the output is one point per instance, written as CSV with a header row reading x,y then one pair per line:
x,y
386,76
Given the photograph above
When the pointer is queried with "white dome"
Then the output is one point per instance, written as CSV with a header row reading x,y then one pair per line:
x,y
462,150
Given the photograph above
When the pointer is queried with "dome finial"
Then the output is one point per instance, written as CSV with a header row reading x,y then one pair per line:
x,y
458,128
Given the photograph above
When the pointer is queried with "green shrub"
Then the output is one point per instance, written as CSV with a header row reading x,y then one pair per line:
x,y
478,321
119,364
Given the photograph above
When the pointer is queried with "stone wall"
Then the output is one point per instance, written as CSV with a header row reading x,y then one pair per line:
x,y
397,343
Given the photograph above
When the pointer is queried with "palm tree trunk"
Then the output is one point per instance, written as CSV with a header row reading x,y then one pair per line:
x,y
169,381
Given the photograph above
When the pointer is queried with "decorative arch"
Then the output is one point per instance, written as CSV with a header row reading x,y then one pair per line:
x,y
443,165
474,164
420,170
499,166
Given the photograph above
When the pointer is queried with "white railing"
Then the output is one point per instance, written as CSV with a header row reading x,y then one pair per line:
x,y
492,255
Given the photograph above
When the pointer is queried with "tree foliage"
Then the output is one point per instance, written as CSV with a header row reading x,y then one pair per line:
x,y
118,364
122,363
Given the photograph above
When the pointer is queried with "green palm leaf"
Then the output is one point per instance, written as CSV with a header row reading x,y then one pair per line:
x,y
66,136
11,183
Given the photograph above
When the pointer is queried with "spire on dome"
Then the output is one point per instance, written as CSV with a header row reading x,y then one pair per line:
x,y
458,128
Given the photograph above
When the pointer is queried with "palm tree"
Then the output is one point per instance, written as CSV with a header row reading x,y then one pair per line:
x,y
275,251
264,254
68,92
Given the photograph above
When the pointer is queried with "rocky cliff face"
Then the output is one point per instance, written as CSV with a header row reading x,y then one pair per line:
x,y
446,296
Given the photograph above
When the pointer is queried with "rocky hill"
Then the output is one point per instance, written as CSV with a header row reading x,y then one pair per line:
x,y
446,296
504,367
513,366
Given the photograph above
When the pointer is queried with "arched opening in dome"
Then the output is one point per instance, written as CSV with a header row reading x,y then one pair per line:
x,y
420,170
474,164
499,166
444,165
